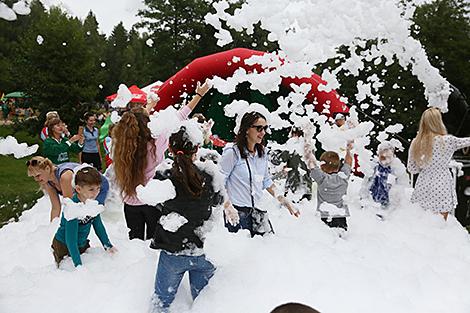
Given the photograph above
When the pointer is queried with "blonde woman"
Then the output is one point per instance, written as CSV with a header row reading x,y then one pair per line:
x,y
429,155
56,181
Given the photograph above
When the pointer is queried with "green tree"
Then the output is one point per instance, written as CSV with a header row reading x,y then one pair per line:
x,y
97,42
59,72
10,33
444,31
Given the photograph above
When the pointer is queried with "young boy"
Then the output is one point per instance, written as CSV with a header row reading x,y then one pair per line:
x,y
332,180
71,237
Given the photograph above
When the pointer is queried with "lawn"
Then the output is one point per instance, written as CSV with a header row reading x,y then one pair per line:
x,y
18,192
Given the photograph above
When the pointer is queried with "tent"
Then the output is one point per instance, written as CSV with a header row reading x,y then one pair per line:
x,y
138,96
16,94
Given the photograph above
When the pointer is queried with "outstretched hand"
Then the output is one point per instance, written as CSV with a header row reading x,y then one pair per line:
x,y
202,89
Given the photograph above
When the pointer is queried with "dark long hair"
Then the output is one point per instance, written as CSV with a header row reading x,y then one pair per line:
x,y
241,141
130,144
183,168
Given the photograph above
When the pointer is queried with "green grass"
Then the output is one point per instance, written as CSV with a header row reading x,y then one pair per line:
x,y
18,192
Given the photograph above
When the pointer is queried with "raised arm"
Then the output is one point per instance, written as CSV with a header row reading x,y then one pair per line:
x,y
201,90
348,158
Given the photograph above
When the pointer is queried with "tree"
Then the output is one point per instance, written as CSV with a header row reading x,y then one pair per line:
x,y
179,33
444,31
10,33
58,72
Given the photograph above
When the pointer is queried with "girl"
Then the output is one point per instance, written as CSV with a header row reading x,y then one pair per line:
x,y
245,168
56,180
182,249
57,146
135,156
91,153
429,155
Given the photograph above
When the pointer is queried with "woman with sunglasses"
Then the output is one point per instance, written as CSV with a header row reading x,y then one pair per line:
x,y
245,168
56,180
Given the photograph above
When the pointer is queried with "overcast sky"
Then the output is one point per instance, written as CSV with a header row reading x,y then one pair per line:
x,y
108,12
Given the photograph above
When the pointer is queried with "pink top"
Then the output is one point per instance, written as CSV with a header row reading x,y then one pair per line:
x,y
161,144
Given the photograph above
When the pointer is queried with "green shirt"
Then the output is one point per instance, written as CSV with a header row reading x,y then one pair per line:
x,y
58,151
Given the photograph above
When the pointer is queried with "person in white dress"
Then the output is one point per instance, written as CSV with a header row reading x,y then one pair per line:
x,y
429,156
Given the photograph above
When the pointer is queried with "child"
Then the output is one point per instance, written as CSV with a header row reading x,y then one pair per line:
x,y
332,180
388,175
71,237
182,247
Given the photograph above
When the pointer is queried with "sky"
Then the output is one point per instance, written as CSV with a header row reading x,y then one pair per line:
x,y
108,12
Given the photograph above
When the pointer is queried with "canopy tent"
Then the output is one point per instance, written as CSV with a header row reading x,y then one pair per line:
x,y
138,96
16,94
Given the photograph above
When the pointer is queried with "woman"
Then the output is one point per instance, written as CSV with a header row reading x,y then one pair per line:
x,y
182,249
91,153
56,180
245,168
135,156
429,155
56,146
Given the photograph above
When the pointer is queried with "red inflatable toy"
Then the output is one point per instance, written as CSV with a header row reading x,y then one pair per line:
x,y
222,65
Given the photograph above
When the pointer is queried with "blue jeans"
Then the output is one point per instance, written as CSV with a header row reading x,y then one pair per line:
x,y
246,221
170,271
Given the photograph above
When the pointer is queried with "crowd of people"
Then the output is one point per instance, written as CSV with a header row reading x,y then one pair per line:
x,y
244,166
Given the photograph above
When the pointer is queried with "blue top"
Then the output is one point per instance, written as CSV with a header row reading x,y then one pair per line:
x,y
90,146
237,177
74,233
69,166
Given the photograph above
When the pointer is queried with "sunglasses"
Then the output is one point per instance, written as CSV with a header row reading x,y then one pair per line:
x,y
32,162
259,128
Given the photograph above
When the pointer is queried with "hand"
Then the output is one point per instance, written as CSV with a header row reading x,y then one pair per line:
x,y
349,145
289,206
74,138
232,215
81,139
112,250
202,89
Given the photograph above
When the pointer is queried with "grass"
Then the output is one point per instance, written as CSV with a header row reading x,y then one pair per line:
x,y
18,192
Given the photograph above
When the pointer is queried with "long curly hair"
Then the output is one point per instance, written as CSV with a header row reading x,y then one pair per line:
x,y
247,121
183,168
131,137
430,126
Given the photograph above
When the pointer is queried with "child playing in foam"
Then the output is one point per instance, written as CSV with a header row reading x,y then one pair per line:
x,y
332,180
388,180
79,214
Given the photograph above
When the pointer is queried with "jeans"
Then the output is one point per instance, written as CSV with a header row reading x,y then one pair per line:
x,y
170,271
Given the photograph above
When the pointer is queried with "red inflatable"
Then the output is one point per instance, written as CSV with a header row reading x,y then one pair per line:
x,y
222,65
